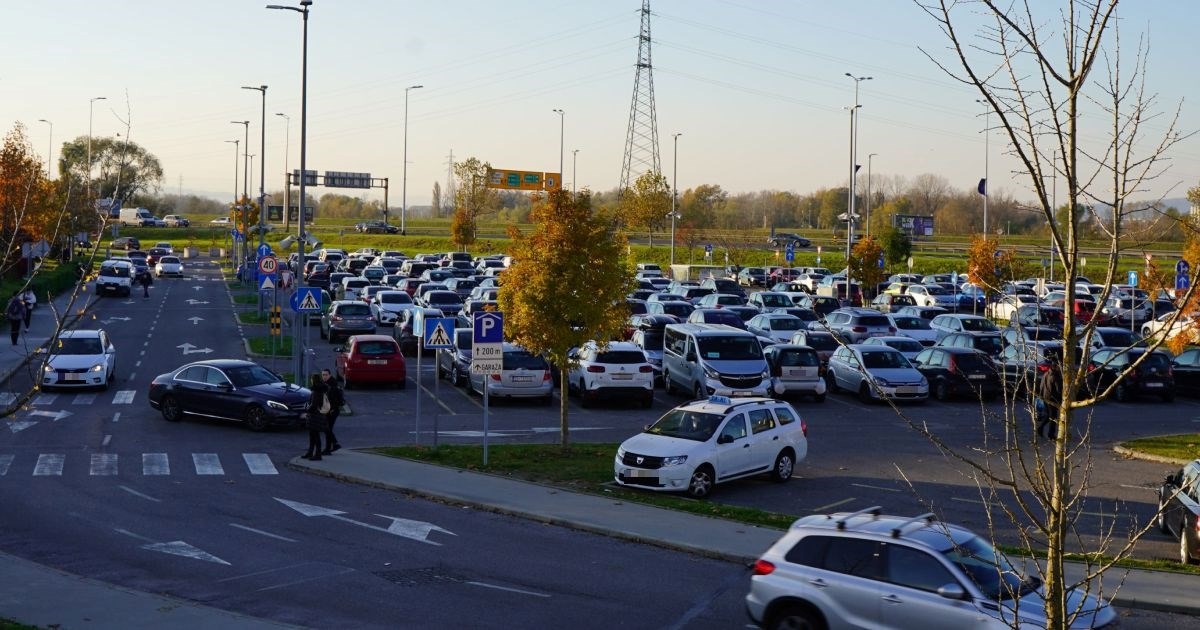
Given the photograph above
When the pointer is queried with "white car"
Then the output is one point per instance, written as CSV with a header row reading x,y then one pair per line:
x,y
705,442
1161,326
618,370
779,327
1007,305
915,327
80,358
905,345
220,221
927,295
168,266
386,306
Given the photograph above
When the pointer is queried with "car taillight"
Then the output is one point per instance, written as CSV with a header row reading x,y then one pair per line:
x,y
645,369
804,427
1042,367
1091,367
859,329
762,567
595,368
953,367
545,376
495,377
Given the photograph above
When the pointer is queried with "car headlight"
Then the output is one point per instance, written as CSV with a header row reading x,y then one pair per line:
x,y
276,405
99,367
766,374
883,382
711,373
48,368
620,453
674,461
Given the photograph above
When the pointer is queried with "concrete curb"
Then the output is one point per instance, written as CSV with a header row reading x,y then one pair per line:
x,y
1134,454
68,321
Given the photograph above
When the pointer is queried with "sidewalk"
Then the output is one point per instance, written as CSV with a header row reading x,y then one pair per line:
x,y
41,327
716,538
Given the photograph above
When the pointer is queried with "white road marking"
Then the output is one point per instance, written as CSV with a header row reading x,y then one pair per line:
x,y
259,464
104,464
116,416
155,464
83,399
6,398
825,508
107,439
132,535
863,485
20,425
261,532
124,397
207,464
5,462
142,353
1141,487
509,589
180,548
319,577
132,375
48,465
137,364
139,494
45,399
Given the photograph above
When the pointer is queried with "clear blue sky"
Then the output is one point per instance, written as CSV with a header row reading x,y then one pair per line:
x,y
756,87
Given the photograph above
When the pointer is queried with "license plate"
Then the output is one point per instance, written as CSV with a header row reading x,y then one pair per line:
x,y
376,361
72,377
743,393
622,377
521,378
1154,384
906,390
641,474
977,377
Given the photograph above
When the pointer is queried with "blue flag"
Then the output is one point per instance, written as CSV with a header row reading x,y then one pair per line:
x,y
982,188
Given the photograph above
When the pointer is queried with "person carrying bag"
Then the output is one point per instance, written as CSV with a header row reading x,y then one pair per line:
x,y
1049,398
316,417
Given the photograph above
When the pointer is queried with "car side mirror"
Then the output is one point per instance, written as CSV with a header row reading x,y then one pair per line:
x,y
952,590
339,348
226,386
725,439
691,356
1172,479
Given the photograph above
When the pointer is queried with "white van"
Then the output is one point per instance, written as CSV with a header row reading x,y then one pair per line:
x,y
137,217
705,359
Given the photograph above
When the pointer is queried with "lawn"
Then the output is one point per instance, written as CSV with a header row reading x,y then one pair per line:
x,y
1185,447
252,317
262,345
245,298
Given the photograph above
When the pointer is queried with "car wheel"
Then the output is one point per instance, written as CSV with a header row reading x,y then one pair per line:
x,y
797,618
701,484
667,385
831,383
171,410
455,377
1185,553
1161,520
256,418
585,401
648,401
939,390
785,463
864,393
819,397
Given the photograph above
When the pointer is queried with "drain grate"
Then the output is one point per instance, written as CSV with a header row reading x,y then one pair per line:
x,y
420,577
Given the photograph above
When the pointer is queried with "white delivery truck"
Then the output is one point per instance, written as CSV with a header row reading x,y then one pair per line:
x,y
136,217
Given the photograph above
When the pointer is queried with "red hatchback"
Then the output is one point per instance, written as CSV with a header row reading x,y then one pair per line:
x,y
371,359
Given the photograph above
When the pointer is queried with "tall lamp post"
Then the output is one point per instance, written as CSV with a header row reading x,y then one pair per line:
x,y
987,112
89,156
262,170
868,216
562,126
236,148
303,11
287,178
674,190
49,146
404,168
574,158
853,179
246,164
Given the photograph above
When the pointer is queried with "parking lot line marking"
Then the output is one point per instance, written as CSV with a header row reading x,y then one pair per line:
x,y
1112,514
106,440
1142,487
104,464
142,353
155,464
261,532
824,508
841,402
132,375
509,589
116,416
207,464
49,465
83,399
5,462
124,397
259,464
139,494
319,577
863,485
45,399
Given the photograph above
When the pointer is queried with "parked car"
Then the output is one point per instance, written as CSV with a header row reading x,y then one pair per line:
x,y
80,358
618,370
345,318
228,389
952,323
723,285
720,300
1006,305
932,295
875,373
524,375
168,266
1021,367
752,277
890,302
855,325
716,316
1038,315
924,312
370,359
1179,510
822,305
410,326
767,301
867,569
822,341
678,309
991,344
777,326
127,243
702,443
913,326
1152,377
906,346
955,371
387,305
795,370
176,220
454,363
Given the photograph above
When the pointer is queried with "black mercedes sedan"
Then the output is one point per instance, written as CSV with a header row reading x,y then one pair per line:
x,y
228,389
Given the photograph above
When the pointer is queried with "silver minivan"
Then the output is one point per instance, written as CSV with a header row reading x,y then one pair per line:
x,y
706,359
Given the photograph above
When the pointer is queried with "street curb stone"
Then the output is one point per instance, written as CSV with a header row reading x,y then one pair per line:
x,y
1135,454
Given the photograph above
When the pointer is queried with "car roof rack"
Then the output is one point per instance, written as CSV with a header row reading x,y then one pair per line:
x,y
923,519
873,511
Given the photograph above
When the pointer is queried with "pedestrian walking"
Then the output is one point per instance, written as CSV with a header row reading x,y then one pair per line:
x,y
15,312
30,300
336,398
316,416
1049,397
145,280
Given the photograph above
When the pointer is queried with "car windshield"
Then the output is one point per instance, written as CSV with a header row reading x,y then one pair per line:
x,y
1044,334
251,375
652,340
79,345
443,297
524,361
169,260
1120,339
978,324
935,290
115,271
821,342
990,345
873,320
911,323
792,358
776,300
971,361
884,360
376,348
678,309
689,425
621,357
787,323
991,572
395,298
906,345
730,348
354,310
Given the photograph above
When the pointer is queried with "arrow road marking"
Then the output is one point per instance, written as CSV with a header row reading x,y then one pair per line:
x,y
114,319
21,425
56,415
197,287
195,302
190,349
175,548
405,528
195,320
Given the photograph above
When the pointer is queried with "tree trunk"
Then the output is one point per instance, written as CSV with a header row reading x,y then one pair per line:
x,y
563,421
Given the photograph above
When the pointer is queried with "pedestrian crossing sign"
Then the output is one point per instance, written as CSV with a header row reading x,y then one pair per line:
x,y
439,333
306,299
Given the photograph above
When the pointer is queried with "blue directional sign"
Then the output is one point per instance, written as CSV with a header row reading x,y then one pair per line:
x,y
488,327
1182,282
264,250
1182,268
1132,279
790,252
439,333
708,249
881,261
306,299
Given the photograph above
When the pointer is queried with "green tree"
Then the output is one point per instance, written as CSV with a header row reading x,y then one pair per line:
x,y
700,206
834,202
647,203
881,216
472,195
462,229
28,211
864,264
897,247
573,279
120,169
435,209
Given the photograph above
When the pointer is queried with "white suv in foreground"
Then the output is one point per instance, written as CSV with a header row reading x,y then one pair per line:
x,y
705,442
868,570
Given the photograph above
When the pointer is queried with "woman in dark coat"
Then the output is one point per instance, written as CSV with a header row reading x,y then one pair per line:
x,y
316,416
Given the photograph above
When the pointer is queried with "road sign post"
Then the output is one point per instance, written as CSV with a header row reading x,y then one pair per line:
x,y
487,357
789,252
438,334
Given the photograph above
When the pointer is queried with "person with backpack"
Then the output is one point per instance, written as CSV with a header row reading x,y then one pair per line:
x,y
336,398
15,311
316,417
1050,394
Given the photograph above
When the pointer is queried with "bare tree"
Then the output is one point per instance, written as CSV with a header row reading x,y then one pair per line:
x,y
1039,75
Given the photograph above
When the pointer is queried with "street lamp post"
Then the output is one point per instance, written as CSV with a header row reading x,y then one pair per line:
x,y
262,170
89,155
404,168
287,179
674,190
574,158
853,171
49,146
236,151
868,214
245,165
303,11
987,112
562,126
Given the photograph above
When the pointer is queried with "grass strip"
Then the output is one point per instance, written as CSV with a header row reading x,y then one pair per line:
x,y
245,298
262,345
9,624
252,317
1184,446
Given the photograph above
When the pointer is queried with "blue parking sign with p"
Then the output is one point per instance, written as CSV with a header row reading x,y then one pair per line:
x,y
488,327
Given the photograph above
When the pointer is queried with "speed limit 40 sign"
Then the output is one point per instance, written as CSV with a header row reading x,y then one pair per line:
x,y
268,265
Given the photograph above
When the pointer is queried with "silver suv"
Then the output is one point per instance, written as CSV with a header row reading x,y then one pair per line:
x,y
856,325
869,570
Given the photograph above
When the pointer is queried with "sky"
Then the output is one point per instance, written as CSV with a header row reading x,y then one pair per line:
x,y
757,88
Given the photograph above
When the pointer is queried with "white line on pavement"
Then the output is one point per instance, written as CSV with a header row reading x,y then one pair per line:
x,y
132,375
259,464
137,364
256,573
863,485
48,465
261,532
83,399
155,464
5,462
510,590
824,508
104,464
116,416
207,464
139,494
124,397
319,577
107,439
45,399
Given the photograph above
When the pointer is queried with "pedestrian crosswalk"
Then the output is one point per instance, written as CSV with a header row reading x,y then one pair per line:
x,y
116,464
45,399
